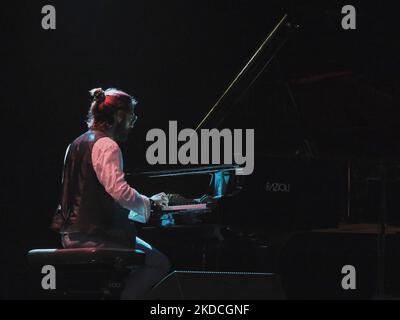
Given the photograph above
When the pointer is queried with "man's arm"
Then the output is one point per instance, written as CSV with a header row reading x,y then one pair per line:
x,y
108,166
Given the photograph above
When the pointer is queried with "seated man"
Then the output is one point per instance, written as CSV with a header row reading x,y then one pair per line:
x,y
98,206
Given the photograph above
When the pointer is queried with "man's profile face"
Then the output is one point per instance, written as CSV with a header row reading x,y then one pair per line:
x,y
124,123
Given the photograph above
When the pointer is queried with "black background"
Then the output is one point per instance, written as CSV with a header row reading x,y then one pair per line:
x,y
176,58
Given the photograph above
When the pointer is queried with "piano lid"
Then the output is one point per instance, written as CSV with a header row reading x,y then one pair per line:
x,y
248,75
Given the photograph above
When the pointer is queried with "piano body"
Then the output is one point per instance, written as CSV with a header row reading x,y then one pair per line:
x,y
194,193
192,223
221,221
286,217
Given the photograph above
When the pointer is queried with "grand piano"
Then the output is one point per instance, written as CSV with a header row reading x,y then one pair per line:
x,y
217,220
193,221
221,221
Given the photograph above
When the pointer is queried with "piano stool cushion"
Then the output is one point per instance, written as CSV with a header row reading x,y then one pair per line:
x,y
86,256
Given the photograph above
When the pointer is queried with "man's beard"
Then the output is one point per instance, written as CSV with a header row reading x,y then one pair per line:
x,y
121,133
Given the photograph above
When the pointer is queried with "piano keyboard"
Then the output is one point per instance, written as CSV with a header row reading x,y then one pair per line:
x,y
185,207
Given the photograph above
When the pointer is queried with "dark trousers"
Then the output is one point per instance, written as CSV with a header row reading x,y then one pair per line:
x,y
139,282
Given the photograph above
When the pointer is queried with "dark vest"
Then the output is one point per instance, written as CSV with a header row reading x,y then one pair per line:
x,y
85,205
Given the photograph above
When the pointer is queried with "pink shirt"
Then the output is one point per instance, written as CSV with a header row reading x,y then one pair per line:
x,y
108,165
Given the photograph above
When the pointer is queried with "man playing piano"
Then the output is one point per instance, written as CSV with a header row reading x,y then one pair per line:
x,y
98,206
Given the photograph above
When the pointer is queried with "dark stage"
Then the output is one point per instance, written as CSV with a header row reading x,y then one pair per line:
x,y
311,90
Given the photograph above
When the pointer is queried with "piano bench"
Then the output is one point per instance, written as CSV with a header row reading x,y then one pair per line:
x,y
83,273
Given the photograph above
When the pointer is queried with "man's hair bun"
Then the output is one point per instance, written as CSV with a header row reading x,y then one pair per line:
x,y
98,95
